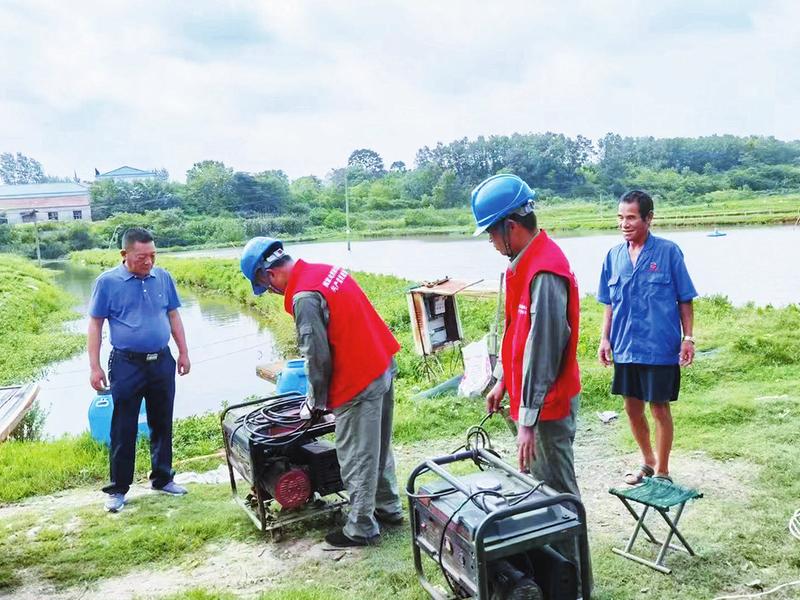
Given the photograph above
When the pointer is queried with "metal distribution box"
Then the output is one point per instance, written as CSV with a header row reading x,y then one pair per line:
x,y
433,308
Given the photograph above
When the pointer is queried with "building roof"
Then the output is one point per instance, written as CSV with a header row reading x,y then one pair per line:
x,y
44,196
41,190
127,171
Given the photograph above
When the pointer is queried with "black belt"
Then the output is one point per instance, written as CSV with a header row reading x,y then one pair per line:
x,y
142,356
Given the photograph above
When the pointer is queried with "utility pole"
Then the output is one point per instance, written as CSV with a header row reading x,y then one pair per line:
x,y
347,209
33,214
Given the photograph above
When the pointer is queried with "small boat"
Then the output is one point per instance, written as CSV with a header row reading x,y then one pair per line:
x,y
716,233
15,402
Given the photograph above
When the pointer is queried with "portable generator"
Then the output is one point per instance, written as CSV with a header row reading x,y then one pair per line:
x,y
494,532
290,469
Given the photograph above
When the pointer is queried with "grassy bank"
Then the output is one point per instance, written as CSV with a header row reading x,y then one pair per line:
x,y
723,209
738,419
32,309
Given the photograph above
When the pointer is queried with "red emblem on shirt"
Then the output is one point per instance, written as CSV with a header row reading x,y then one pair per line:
x,y
653,266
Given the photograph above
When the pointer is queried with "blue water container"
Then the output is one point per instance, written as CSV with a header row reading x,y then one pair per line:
x,y
100,411
293,377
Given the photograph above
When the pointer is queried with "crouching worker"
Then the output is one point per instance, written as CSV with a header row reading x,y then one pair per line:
x,y
349,354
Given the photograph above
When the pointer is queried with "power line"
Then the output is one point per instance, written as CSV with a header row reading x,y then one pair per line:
x,y
192,348
76,385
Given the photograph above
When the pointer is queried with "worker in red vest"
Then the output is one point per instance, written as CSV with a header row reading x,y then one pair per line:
x,y
538,367
349,354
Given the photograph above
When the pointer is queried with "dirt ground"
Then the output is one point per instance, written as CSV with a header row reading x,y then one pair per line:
x,y
247,569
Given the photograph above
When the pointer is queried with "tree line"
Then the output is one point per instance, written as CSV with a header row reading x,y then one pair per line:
x,y
677,170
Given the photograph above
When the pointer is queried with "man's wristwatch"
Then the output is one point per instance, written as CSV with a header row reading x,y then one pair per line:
x,y
688,338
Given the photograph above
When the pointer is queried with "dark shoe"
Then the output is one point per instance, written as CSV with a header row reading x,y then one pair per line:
x,y
663,477
173,489
389,520
115,503
338,539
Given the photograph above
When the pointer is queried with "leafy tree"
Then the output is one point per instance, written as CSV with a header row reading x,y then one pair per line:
x,y
306,190
209,188
398,166
368,160
275,189
419,182
110,197
447,192
20,169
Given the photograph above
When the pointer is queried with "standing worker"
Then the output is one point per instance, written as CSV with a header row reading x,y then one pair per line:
x,y
141,304
648,295
349,354
539,366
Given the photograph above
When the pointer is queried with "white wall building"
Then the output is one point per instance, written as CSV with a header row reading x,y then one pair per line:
x,y
25,203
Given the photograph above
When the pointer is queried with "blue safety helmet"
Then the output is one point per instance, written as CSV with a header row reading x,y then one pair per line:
x,y
499,196
259,253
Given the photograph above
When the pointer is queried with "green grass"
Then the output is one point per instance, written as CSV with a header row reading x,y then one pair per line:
x,y
740,402
723,208
43,467
72,546
32,309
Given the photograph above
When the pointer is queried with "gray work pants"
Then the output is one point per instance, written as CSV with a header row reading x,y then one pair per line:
x,y
555,465
363,446
555,462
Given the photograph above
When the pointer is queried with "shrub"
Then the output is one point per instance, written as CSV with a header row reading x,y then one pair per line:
x,y
335,220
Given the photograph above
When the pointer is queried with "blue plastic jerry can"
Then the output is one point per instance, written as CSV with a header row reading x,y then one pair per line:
x,y
100,411
293,377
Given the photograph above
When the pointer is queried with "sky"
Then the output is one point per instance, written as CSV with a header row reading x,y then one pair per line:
x,y
298,85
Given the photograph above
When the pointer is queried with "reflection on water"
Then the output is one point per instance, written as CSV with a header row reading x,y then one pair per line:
x,y
760,265
225,344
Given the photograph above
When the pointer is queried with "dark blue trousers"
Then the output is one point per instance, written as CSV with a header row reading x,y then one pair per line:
x,y
133,378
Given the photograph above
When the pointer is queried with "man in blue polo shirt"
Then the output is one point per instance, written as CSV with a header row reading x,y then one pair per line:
x,y
141,304
647,326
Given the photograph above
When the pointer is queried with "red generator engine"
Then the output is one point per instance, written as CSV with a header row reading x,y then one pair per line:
x,y
283,459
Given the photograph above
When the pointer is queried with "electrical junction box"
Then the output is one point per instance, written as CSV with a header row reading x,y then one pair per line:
x,y
433,308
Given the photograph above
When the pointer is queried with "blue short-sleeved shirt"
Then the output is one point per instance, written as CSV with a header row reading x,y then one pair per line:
x,y
645,320
136,308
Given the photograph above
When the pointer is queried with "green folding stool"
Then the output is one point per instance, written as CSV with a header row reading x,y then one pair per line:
x,y
660,495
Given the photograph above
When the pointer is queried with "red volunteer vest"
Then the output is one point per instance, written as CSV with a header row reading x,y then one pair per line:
x,y
361,344
542,255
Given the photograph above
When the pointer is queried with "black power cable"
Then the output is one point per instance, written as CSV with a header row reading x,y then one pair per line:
x,y
283,413
471,497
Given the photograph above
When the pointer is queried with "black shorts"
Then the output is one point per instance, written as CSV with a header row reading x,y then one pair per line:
x,y
651,383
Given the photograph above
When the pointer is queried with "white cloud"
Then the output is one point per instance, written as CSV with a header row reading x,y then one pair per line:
x,y
299,85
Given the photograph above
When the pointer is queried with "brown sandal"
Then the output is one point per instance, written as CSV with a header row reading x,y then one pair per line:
x,y
636,477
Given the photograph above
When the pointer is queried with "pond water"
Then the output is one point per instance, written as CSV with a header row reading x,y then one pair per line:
x,y
225,344
760,265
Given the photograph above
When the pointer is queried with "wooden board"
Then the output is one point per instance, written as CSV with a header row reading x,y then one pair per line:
x,y
15,402
443,287
270,371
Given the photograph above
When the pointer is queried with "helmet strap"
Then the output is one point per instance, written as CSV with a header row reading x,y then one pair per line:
x,y
507,240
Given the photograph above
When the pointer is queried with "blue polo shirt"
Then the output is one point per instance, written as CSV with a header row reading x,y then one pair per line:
x,y
136,308
645,319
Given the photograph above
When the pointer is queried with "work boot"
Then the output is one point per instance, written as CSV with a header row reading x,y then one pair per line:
x,y
173,489
115,503
338,539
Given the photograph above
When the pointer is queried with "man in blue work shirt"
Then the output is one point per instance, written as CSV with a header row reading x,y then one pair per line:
x,y
647,325
141,304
